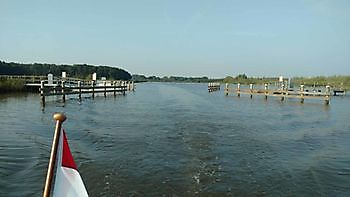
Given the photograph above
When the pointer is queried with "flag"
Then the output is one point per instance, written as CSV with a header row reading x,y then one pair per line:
x,y
68,181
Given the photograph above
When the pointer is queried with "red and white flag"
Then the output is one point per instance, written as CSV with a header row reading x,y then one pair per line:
x,y
68,181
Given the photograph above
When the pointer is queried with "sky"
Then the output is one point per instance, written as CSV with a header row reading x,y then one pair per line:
x,y
214,38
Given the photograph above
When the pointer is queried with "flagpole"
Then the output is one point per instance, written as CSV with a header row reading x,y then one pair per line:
x,y
59,118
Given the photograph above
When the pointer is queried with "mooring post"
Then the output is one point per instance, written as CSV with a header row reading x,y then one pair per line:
x,y
251,90
301,93
79,86
63,93
124,88
42,93
266,90
238,89
105,88
328,92
93,88
282,92
114,91
226,89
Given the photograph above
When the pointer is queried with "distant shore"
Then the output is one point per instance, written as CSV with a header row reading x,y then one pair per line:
x,y
342,82
333,81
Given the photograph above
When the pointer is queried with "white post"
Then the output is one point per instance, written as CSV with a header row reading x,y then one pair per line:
x,y
42,95
238,89
328,91
302,93
50,79
251,90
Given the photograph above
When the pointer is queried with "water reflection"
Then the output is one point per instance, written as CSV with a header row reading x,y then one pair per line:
x,y
176,139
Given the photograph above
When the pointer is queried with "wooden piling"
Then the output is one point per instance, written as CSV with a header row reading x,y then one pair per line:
x,y
301,93
105,88
266,87
129,85
238,89
63,93
328,92
79,86
282,91
42,93
114,88
251,90
93,89
123,84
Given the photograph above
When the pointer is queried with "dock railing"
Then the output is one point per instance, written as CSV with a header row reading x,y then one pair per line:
x,y
281,92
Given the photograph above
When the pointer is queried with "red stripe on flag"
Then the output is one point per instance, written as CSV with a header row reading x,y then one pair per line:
x,y
67,158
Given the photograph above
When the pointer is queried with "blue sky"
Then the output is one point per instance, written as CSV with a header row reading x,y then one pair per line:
x,y
188,38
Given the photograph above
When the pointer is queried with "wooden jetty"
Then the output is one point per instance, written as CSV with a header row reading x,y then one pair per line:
x,y
281,93
213,87
63,86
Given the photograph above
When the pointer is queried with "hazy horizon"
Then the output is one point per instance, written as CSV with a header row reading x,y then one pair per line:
x,y
182,38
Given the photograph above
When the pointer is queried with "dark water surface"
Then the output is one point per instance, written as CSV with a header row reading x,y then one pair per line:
x,y
170,139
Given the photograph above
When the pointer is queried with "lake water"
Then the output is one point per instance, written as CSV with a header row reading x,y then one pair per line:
x,y
168,139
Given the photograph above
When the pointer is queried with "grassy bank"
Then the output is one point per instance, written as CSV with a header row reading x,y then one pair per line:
x,y
333,81
12,85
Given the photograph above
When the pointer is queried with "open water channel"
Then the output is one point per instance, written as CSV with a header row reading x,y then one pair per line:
x,y
168,139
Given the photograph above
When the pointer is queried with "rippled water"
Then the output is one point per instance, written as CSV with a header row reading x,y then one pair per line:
x,y
179,140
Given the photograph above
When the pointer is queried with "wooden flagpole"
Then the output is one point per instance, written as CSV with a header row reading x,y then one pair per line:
x,y
60,118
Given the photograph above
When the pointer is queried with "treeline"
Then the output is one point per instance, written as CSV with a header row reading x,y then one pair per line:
x,y
143,78
83,71
244,79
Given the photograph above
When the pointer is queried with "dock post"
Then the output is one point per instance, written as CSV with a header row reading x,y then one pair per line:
x,y
301,93
63,94
93,89
42,94
79,86
328,92
124,88
251,90
266,90
105,88
114,91
238,89
282,91
226,89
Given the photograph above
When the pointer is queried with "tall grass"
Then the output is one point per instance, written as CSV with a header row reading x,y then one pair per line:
x,y
12,85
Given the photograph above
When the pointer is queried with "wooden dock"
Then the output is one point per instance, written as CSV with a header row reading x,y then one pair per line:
x,y
213,87
64,88
282,93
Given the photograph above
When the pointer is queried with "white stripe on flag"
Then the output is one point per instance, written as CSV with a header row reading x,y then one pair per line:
x,y
68,181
